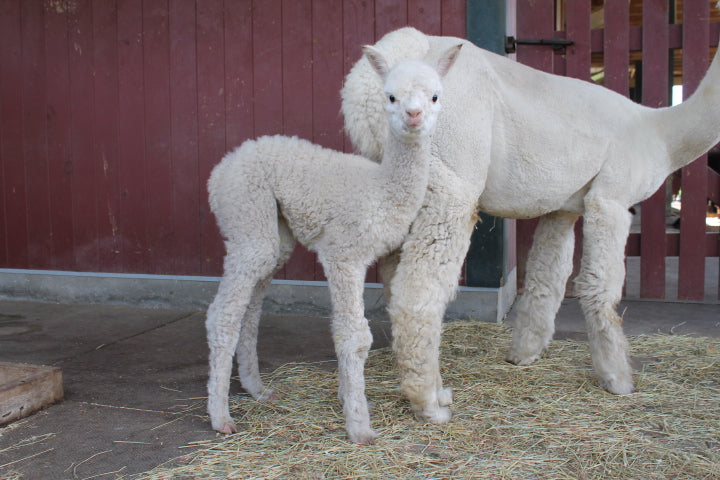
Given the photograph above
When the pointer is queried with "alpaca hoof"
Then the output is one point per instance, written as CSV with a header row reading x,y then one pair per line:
x,y
520,360
437,416
267,395
618,386
364,437
227,428
445,396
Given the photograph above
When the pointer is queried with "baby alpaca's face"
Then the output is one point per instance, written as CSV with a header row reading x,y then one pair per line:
x,y
412,92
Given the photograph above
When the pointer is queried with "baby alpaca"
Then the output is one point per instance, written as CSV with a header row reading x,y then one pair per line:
x,y
272,191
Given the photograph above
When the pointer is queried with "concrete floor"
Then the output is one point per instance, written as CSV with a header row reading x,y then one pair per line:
x,y
134,378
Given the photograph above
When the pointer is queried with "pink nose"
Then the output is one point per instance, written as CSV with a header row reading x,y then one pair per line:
x,y
414,116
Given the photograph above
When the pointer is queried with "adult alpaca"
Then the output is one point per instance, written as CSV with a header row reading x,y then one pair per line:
x,y
272,191
519,143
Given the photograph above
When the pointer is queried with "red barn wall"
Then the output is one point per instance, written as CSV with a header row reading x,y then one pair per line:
x,y
113,113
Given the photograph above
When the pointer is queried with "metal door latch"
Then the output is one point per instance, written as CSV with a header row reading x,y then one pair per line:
x,y
511,43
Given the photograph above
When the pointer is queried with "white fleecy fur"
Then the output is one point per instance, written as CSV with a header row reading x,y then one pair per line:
x,y
350,210
519,143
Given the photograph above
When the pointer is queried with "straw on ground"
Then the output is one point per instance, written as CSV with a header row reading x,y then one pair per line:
x,y
546,421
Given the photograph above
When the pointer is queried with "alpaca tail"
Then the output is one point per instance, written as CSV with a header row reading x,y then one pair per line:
x,y
693,127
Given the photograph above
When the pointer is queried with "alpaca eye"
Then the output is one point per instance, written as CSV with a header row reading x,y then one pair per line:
x,y
435,98
391,98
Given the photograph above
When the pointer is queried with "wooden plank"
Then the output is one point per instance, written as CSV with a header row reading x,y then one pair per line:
x,y
389,15
711,245
84,188
535,20
184,139
211,127
358,30
11,150
34,139
25,389
578,30
59,138
297,95
617,46
424,15
133,208
105,148
267,65
155,43
239,90
691,270
654,94
453,18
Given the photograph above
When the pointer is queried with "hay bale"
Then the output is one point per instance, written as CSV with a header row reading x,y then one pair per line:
x,y
546,421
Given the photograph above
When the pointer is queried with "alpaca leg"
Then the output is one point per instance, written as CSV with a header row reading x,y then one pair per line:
x,y
599,286
246,351
352,337
424,282
246,264
549,265
223,330
388,265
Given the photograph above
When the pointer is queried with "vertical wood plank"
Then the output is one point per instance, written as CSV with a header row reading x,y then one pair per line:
x,y
453,18
389,15
535,21
133,208
84,188
37,180
158,169
654,94
211,128
58,138
105,148
267,67
358,30
617,46
691,273
425,15
297,51
11,150
238,72
184,138
578,30
297,95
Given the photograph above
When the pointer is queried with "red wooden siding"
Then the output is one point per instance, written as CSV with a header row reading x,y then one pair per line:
x,y
638,31
113,113
694,176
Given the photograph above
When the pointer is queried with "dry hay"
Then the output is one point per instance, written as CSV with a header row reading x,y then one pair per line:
x,y
546,421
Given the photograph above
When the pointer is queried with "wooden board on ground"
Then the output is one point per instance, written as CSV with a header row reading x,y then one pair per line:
x,y
25,389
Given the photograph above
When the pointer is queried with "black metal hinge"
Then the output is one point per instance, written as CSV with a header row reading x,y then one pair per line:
x,y
511,43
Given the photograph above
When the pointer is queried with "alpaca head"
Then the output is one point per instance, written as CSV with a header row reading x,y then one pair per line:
x,y
412,90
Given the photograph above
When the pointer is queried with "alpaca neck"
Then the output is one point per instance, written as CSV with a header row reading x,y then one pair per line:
x,y
405,164
693,127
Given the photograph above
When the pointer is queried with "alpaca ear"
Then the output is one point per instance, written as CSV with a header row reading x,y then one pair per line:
x,y
377,60
448,59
